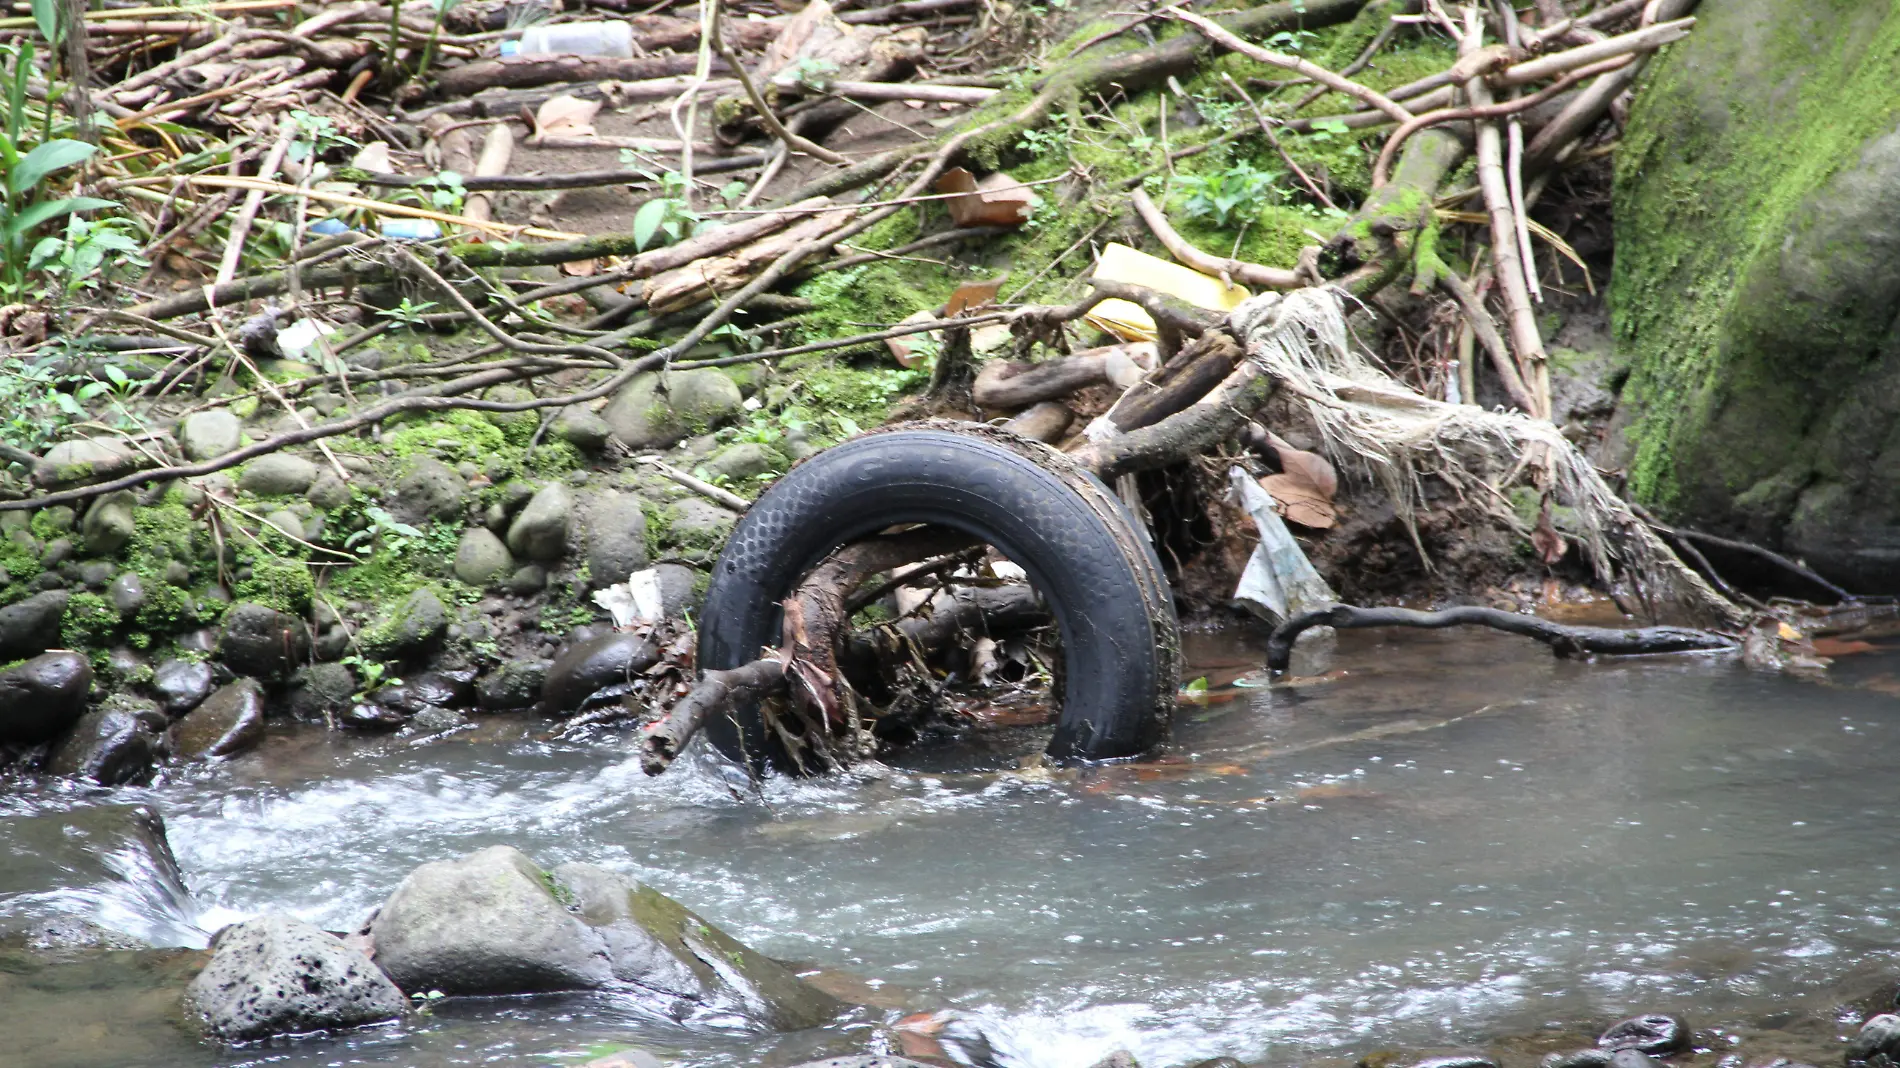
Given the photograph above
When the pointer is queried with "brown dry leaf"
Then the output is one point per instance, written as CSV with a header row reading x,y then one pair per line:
x,y
374,158
972,295
1300,500
1549,544
997,200
580,268
1842,647
566,116
904,348
1310,465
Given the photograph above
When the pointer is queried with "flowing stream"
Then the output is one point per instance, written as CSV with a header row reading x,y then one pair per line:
x,y
1454,839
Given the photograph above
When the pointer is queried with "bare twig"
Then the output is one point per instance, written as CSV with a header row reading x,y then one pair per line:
x,y
1225,38
1181,249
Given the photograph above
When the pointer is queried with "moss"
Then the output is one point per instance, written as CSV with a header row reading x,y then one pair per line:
x,y
89,623
162,533
1734,132
166,609
458,436
560,891
279,582
50,523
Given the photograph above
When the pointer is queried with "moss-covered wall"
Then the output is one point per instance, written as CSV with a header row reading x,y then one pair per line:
x,y
1758,276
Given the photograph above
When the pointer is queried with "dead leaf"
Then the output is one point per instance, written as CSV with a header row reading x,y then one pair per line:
x,y
1300,501
566,116
1842,647
904,348
1549,544
972,295
374,158
997,200
1309,465
580,268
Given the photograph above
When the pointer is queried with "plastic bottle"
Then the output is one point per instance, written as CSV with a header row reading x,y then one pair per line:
x,y
574,39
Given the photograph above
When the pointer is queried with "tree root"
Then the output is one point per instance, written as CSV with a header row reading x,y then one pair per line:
x,y
1564,640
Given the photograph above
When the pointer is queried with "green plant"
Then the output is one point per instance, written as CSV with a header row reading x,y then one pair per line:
x,y
316,135
667,213
384,531
814,74
444,192
440,9
25,207
1215,108
1039,141
1240,188
33,406
78,257
408,313
374,673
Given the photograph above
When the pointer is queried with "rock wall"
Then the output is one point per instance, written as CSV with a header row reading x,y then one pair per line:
x,y
1757,281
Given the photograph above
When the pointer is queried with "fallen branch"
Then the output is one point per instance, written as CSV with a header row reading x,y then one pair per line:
x,y
1237,270
1564,640
715,691
1225,38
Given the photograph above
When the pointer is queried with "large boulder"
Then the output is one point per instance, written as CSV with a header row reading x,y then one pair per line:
x,y
228,722
614,527
595,670
260,641
277,975
1757,272
42,697
540,531
415,625
481,558
428,489
643,416
182,684
494,922
487,923
32,625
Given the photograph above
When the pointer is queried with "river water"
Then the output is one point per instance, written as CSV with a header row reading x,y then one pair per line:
x,y
1451,839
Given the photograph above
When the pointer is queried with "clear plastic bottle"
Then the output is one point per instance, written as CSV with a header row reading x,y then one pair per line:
x,y
574,39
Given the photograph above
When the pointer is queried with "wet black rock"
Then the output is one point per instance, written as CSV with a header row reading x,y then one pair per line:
x,y
277,975
437,689
127,593
110,746
182,684
321,690
263,643
1458,1060
1580,1058
369,716
228,722
416,626
594,671
32,625
1878,1037
42,697
515,684
1655,1033
1632,1058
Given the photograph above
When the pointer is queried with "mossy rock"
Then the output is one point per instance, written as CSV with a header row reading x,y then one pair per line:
x,y
1757,268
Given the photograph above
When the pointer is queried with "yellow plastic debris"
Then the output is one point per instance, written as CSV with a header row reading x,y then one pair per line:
x,y
1125,319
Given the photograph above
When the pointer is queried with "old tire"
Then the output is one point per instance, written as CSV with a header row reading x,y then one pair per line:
x,y
1120,640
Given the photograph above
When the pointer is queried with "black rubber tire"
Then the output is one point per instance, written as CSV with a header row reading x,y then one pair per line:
x,y
1121,643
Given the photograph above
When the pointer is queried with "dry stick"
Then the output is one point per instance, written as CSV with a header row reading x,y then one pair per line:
x,y
1647,39
241,223
1180,249
702,70
501,228
1216,33
271,387
1380,40
475,183
666,739
1497,198
705,489
792,141
1514,164
1487,333
1382,167
1274,140
190,102
1566,641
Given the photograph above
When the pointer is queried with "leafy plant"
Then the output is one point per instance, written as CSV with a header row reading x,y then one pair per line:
x,y
1327,129
1040,142
383,529
316,135
1215,107
1240,189
668,213
374,673
33,407
814,74
25,207
408,313
78,256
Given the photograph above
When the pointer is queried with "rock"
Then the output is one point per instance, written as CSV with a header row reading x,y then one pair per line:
x,y
1765,375
697,523
595,670
32,625
181,685
513,684
539,532
204,435
434,720
626,1058
287,524
262,642
1458,1060
481,559
125,667
660,945
1654,1033
487,923
744,460
277,975
127,593
428,489
614,526
43,697
527,580
96,574
1878,1036
582,429
328,492
1217,1062
1121,1058
177,573
331,644
112,857
697,401
109,523
228,722
677,582
73,458
321,690
370,716
1582,1058
277,474
57,552
416,626
428,689
110,746
1632,1058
